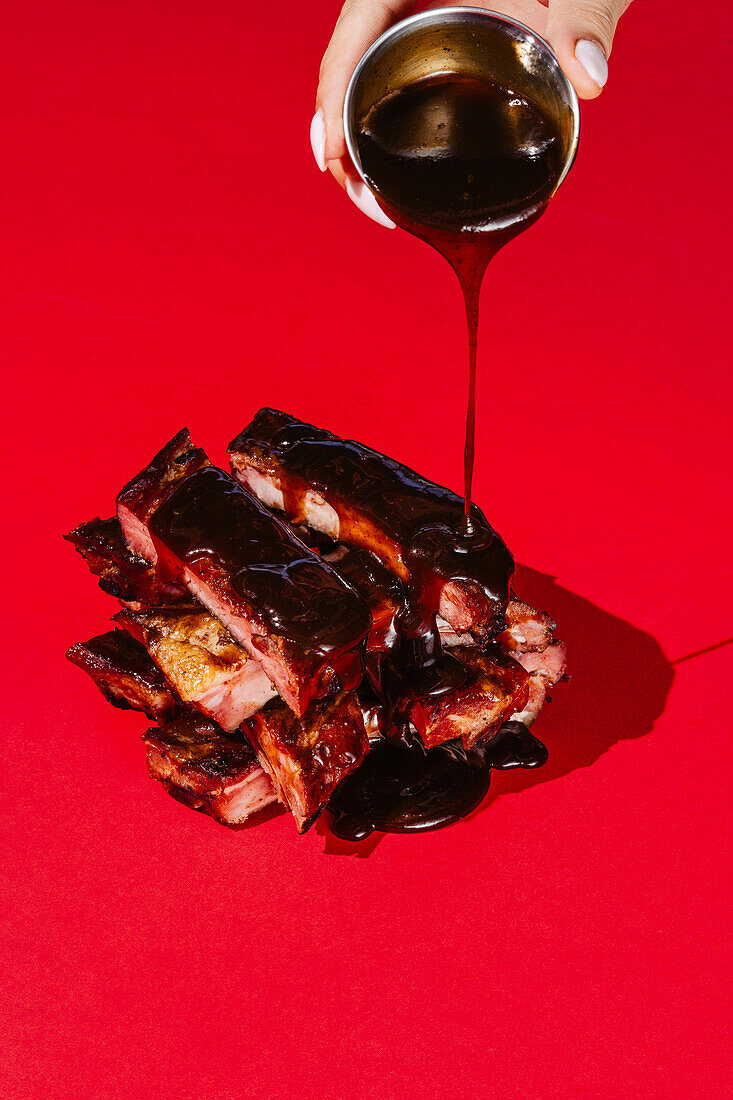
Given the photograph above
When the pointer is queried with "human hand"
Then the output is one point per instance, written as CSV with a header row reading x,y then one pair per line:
x,y
580,32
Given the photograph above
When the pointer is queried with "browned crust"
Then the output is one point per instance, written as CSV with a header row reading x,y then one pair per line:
x,y
200,755
124,673
496,686
122,574
147,490
306,757
190,646
199,765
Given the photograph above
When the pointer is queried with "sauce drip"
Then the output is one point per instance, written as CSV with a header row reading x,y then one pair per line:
x,y
405,658
465,164
421,520
515,746
403,789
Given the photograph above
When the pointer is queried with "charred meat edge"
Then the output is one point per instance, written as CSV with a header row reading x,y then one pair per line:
x,y
122,574
208,770
124,673
298,675
145,492
307,757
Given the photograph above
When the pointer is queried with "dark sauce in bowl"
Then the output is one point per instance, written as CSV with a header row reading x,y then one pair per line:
x,y
466,164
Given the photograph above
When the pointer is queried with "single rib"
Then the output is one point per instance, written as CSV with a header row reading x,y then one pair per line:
x,y
363,498
125,675
122,574
202,662
208,770
307,757
289,609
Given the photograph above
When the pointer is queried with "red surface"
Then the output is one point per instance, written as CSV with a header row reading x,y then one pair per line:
x,y
171,255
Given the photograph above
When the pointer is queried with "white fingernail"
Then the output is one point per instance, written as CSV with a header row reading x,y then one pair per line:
x,y
593,59
362,197
318,139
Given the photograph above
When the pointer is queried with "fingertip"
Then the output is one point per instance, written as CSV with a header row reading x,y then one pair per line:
x,y
584,63
341,169
592,59
587,90
318,139
363,198
335,138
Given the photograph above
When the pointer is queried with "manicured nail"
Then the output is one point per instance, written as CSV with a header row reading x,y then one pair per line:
x,y
362,197
593,59
318,139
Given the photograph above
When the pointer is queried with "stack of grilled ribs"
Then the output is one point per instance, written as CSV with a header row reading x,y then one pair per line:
x,y
276,618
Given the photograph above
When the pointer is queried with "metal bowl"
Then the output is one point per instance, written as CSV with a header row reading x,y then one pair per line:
x,y
472,42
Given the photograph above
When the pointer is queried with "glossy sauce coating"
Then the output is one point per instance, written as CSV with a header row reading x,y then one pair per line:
x,y
405,789
423,519
288,588
406,660
515,746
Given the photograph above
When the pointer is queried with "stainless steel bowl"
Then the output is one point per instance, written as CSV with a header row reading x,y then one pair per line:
x,y
473,42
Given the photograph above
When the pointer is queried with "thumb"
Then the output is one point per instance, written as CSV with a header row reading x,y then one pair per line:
x,y
581,34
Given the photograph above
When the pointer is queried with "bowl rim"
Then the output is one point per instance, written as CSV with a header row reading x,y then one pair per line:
x,y
437,15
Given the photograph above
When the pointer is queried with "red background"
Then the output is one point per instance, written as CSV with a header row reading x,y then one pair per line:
x,y
171,255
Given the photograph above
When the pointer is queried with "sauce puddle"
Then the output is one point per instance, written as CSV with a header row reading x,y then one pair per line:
x,y
403,789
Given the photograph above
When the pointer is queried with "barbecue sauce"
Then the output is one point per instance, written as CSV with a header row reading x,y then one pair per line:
x,y
514,746
424,541
465,164
405,658
209,520
403,789
400,787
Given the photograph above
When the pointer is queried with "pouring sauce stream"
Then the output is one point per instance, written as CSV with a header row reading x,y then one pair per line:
x,y
465,164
